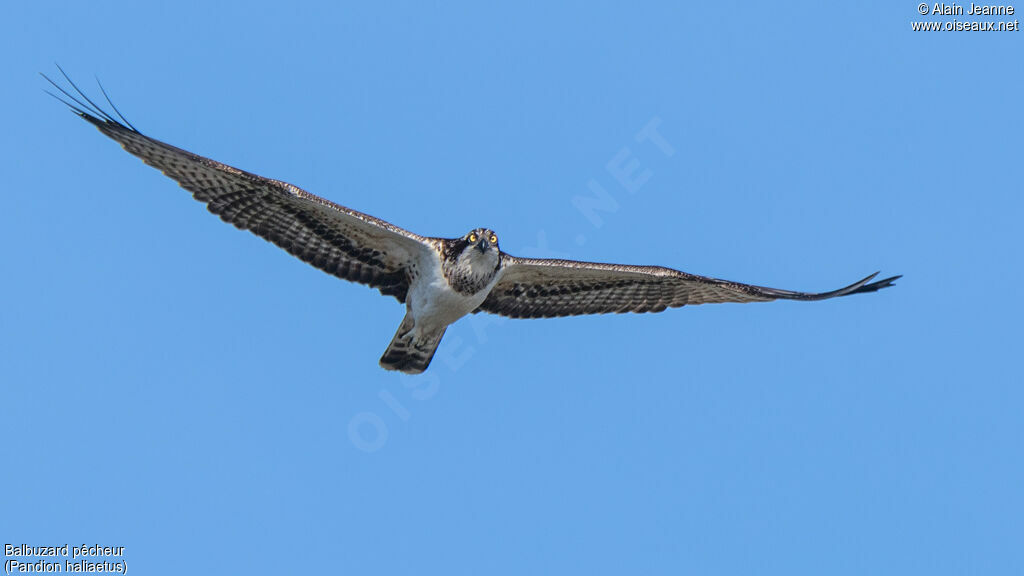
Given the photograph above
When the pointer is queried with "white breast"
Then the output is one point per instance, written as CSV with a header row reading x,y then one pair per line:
x,y
431,300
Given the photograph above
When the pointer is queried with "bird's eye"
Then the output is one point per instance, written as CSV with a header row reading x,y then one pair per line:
x,y
494,239
472,237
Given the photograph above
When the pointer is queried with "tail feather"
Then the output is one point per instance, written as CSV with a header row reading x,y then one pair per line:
x,y
408,353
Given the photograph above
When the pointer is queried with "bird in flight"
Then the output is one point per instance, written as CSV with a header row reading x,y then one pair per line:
x,y
438,279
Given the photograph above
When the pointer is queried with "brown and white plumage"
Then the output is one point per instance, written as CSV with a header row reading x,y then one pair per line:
x,y
535,288
439,280
342,242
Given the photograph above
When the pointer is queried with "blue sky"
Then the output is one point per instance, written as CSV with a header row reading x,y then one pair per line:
x,y
190,392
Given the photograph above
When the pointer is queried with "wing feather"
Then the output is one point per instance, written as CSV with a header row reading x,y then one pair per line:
x,y
338,240
540,288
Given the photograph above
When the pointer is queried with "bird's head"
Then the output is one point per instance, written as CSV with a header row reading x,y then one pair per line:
x,y
471,262
482,240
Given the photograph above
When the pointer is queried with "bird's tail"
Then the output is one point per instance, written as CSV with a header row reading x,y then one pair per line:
x,y
411,351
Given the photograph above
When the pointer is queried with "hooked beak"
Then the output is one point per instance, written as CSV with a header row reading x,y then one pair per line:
x,y
482,246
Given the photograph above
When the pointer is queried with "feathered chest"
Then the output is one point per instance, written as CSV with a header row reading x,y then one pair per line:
x,y
445,290
469,270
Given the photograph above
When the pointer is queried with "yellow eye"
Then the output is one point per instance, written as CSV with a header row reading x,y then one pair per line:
x,y
472,237
494,239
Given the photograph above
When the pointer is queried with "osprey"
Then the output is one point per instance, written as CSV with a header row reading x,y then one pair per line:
x,y
438,279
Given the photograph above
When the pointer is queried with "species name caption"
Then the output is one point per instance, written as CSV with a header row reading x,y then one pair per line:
x,y
92,558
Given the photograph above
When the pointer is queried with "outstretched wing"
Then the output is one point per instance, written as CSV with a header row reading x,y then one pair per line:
x,y
348,244
534,288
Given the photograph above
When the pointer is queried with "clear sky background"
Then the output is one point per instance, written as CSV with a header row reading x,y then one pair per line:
x,y
189,391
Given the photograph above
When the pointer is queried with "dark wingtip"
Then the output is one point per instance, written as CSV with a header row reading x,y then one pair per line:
x,y
84,107
878,285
